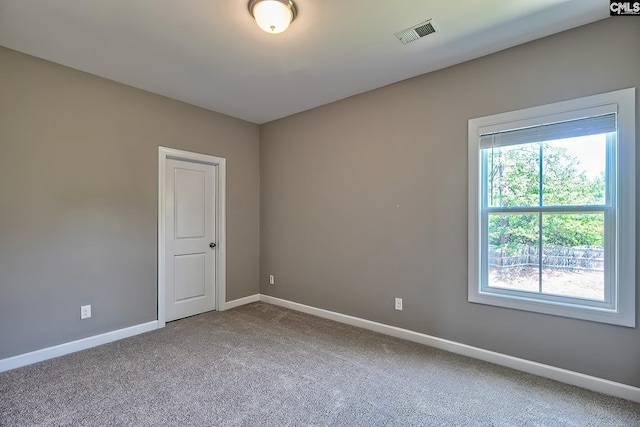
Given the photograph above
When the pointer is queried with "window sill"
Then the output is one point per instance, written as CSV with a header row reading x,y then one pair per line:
x,y
575,311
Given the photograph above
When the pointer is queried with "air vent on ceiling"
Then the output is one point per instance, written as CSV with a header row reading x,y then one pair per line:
x,y
416,32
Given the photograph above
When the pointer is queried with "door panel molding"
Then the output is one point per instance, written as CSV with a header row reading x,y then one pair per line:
x,y
165,153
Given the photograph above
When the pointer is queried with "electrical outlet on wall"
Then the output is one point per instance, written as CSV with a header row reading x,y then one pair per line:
x,y
85,311
399,304
272,280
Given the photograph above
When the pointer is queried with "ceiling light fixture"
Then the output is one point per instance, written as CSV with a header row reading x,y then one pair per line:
x,y
273,16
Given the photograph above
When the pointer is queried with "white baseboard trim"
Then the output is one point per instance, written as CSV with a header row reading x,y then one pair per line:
x,y
241,301
85,343
73,346
599,385
588,382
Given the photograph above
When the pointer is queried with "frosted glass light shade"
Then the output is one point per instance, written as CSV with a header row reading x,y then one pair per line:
x,y
272,16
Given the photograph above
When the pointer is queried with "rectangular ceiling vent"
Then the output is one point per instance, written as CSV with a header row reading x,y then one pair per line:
x,y
416,32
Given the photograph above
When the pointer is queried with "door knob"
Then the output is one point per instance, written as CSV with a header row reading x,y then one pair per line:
x,y
212,245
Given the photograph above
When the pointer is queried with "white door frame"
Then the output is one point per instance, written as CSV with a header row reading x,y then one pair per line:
x,y
221,224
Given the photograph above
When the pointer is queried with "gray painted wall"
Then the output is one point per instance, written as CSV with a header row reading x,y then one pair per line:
x,y
358,202
78,200
365,199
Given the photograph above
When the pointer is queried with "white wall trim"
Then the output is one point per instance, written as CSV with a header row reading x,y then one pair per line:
x,y
599,385
221,224
96,340
73,346
241,301
596,384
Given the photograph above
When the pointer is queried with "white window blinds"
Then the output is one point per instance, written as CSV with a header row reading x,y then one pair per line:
x,y
547,132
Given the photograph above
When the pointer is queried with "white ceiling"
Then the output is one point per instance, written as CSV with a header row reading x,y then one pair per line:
x,y
211,53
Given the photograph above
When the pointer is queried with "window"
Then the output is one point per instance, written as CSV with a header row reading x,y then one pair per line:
x,y
552,209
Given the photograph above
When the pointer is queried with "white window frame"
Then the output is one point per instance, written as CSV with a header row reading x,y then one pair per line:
x,y
619,307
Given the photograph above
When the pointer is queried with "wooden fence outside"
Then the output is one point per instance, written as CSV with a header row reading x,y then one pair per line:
x,y
556,257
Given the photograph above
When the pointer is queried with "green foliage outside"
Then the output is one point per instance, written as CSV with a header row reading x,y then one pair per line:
x,y
514,181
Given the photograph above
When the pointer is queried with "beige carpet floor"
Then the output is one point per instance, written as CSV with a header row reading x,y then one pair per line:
x,y
262,365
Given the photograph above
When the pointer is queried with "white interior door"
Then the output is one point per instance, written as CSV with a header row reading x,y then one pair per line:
x,y
190,238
